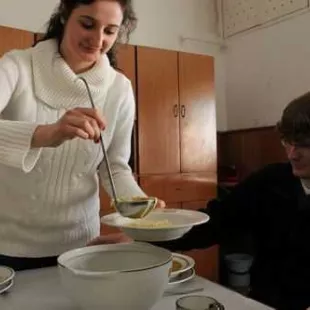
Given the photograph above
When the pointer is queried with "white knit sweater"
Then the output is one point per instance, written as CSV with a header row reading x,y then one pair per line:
x,y
49,197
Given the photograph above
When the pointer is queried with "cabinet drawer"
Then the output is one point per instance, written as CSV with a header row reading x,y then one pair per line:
x,y
180,187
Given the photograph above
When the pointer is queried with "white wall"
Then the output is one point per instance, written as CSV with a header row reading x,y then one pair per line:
x,y
265,69
162,24
26,14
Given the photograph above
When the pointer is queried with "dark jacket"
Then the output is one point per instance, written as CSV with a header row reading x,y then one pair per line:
x,y
273,208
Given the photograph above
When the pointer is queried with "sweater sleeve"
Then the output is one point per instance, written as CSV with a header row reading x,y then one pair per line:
x,y
16,136
119,152
231,217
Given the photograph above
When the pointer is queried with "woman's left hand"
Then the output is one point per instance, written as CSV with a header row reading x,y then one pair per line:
x,y
110,239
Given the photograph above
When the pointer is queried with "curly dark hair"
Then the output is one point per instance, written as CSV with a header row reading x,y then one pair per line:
x,y
55,26
294,126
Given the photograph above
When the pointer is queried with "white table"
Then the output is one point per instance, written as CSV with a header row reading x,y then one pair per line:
x,y
41,290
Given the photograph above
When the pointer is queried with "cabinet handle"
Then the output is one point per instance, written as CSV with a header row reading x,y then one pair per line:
x,y
175,110
183,110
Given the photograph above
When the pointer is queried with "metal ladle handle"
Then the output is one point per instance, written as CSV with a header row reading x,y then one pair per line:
x,y
107,163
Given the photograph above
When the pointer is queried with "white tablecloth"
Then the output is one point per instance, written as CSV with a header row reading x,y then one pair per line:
x,y
41,290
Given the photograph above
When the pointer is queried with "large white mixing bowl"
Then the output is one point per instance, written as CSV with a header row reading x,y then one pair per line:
x,y
115,277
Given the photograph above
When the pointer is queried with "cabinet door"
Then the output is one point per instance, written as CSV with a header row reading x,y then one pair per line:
x,y
197,109
206,260
158,120
14,39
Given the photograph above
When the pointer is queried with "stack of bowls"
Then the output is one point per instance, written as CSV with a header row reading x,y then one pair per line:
x,y
183,269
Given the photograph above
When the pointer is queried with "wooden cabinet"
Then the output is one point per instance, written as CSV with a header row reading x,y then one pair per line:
x,y
176,112
14,39
174,142
176,125
177,134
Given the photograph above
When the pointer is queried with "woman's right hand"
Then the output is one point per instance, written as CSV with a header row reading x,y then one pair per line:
x,y
84,123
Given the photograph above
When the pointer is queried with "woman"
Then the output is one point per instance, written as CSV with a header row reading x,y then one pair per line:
x,y
49,150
